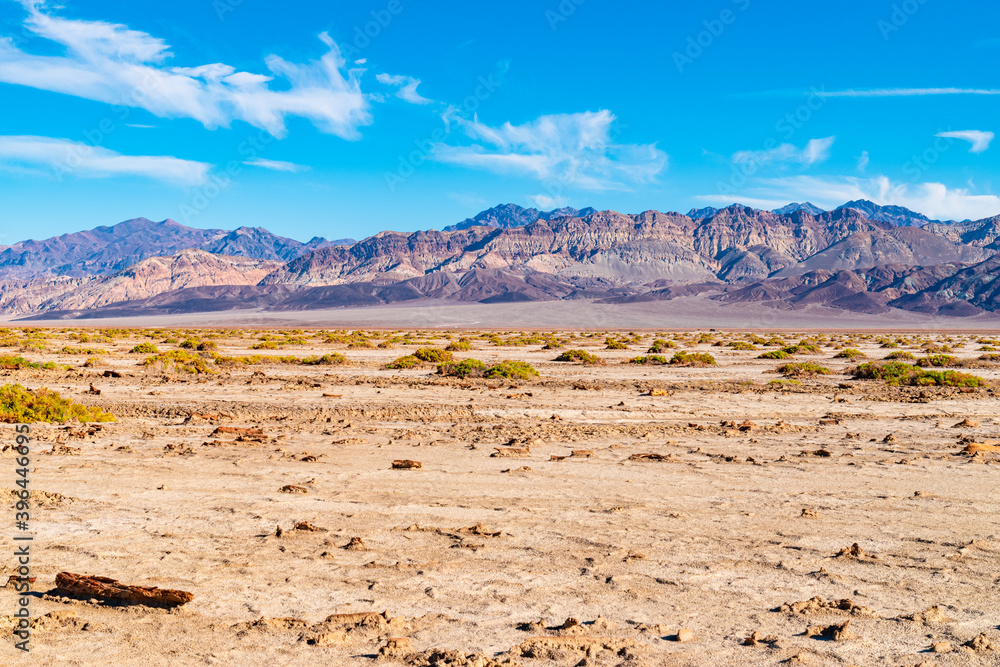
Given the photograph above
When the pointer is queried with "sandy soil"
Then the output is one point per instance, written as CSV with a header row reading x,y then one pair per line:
x,y
533,505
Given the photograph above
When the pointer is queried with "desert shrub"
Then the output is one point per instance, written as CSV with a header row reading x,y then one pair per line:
x,y
189,343
144,348
989,357
651,359
947,379
775,354
784,382
386,345
403,363
893,372
660,345
901,354
803,368
693,359
580,355
17,363
889,345
206,346
20,406
552,344
461,345
463,369
81,351
614,344
849,353
988,348
802,348
742,345
936,360
512,370
897,373
432,355
515,341
265,345
179,360
332,359
932,348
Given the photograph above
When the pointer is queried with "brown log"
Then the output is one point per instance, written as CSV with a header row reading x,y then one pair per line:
x,y
82,585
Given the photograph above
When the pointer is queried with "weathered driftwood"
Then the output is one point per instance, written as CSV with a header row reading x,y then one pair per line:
x,y
82,585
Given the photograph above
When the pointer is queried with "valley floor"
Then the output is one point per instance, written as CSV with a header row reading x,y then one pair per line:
x,y
534,504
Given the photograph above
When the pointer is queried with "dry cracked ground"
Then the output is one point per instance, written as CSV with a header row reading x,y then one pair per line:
x,y
610,514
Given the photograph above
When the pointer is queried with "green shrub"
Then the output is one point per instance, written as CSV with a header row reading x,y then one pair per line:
x,y
849,353
893,372
17,363
742,345
897,373
404,363
947,379
144,348
189,343
651,359
459,346
988,348
775,354
512,370
552,344
179,360
206,346
902,354
803,368
332,359
937,360
21,406
660,345
266,345
693,359
81,351
580,355
432,355
614,344
989,357
462,369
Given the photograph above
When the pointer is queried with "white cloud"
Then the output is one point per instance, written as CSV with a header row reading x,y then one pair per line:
x,y
907,92
814,152
577,150
67,157
111,63
935,200
407,87
980,140
863,162
546,202
276,165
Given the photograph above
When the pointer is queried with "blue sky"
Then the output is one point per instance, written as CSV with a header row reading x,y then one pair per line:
x,y
335,120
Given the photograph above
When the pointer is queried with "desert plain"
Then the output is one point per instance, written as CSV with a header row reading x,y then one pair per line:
x,y
600,513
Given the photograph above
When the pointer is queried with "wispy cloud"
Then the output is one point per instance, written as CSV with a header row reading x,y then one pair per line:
x,y
907,92
407,87
863,162
935,200
111,63
814,152
65,157
577,150
276,165
980,140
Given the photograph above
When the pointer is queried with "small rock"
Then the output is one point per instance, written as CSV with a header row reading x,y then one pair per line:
x,y
684,635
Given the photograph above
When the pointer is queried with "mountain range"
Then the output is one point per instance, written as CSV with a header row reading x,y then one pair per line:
x,y
860,257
